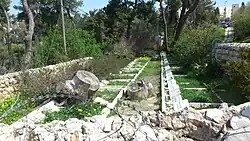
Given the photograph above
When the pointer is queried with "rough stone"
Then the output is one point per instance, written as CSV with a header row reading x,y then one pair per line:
x,y
214,115
177,123
238,122
242,134
246,111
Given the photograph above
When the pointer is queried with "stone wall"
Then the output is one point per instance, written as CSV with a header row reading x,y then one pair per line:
x,y
223,52
11,82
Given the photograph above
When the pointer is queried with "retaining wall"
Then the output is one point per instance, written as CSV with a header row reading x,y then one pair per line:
x,y
11,82
223,52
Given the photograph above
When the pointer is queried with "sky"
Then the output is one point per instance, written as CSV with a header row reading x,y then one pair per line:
x,y
97,4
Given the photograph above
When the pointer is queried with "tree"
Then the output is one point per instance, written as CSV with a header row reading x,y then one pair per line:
x,y
164,17
187,8
30,25
4,6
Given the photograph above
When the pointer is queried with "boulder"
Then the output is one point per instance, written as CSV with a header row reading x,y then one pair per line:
x,y
215,115
238,122
242,134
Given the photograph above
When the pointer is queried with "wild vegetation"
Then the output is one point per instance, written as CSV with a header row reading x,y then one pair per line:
x,y
114,35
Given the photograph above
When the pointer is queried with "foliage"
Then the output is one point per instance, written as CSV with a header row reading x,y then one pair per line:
x,y
79,111
241,23
194,48
239,72
192,82
80,44
24,109
196,95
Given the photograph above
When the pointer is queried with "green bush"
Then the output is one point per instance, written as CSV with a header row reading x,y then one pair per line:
x,y
241,23
194,47
80,43
76,111
239,72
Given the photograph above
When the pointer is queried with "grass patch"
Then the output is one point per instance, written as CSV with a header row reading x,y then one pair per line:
x,y
153,68
107,95
197,95
118,83
193,82
17,114
79,111
117,76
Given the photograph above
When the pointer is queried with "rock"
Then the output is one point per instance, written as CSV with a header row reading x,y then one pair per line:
x,y
145,132
223,106
74,125
242,134
164,135
43,134
215,115
167,123
177,123
107,126
246,111
238,122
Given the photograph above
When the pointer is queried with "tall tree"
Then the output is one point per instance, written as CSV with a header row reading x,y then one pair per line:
x,y
30,25
164,17
187,8
4,6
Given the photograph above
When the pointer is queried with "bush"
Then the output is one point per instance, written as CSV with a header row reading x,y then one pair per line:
x,y
194,47
80,43
239,72
241,23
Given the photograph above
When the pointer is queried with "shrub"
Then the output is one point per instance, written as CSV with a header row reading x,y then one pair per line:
x,y
194,48
80,43
241,23
239,72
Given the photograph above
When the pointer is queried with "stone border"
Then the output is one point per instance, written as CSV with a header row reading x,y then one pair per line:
x,y
10,82
173,95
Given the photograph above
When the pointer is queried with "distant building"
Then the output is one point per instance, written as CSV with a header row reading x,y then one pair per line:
x,y
235,8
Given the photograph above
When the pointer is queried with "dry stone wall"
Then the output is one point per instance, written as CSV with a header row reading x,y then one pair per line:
x,y
11,82
223,52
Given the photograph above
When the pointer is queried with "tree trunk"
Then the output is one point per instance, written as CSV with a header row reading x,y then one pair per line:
x,y
129,28
183,17
29,35
163,13
11,60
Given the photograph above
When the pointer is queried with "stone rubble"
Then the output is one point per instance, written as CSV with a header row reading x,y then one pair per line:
x,y
225,123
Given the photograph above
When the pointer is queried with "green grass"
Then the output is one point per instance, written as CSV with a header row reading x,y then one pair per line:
x,y
17,114
153,68
193,82
117,76
79,111
107,95
197,96
118,83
